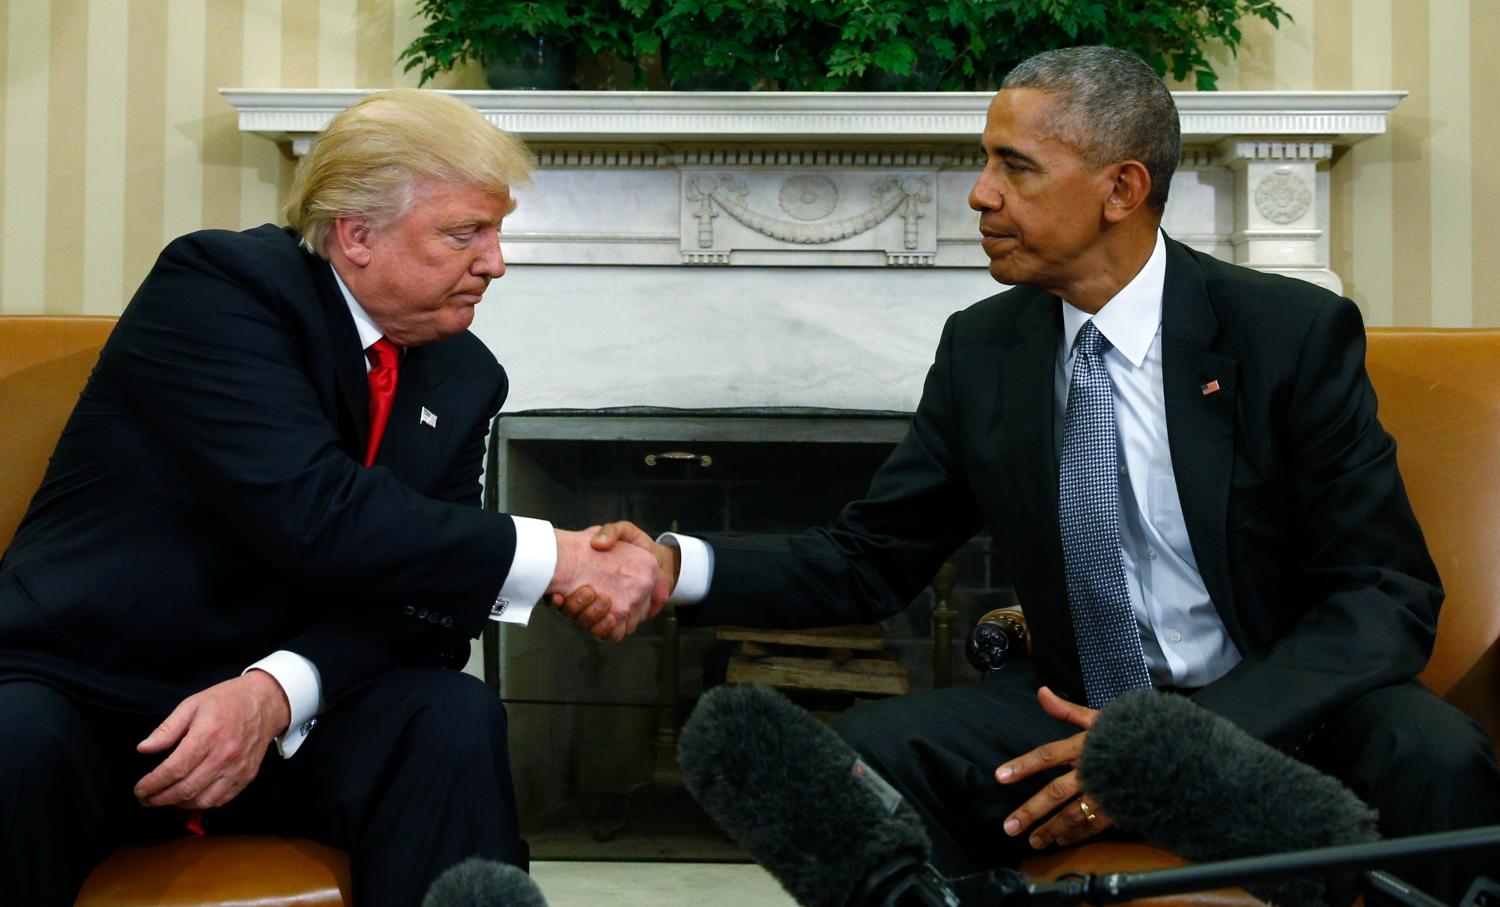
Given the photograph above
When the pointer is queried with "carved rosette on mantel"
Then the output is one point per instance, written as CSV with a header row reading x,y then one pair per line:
x,y
859,180
1278,223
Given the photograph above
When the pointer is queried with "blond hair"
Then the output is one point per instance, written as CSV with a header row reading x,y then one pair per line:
x,y
370,158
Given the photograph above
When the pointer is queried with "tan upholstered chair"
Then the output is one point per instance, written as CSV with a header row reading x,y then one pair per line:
x,y
1439,393
44,362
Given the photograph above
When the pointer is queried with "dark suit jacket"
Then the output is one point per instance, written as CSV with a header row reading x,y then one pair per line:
x,y
1296,514
206,504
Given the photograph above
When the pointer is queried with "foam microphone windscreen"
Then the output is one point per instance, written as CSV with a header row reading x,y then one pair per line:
x,y
1175,773
477,882
794,794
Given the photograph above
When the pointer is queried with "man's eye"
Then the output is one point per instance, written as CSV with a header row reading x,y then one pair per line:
x,y
463,237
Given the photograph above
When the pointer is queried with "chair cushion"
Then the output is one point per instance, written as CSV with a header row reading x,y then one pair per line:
x,y
1129,856
227,870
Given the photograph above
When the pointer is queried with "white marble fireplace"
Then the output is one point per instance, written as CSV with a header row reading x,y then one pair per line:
x,y
785,249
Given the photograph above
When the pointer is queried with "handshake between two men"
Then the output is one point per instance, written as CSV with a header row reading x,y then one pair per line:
x,y
608,588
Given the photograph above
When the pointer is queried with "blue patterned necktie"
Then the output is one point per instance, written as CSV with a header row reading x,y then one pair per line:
x,y
1088,500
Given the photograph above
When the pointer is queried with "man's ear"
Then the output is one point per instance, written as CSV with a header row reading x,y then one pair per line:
x,y
352,234
1128,191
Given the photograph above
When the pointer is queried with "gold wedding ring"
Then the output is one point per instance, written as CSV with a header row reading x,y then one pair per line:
x,y
1088,814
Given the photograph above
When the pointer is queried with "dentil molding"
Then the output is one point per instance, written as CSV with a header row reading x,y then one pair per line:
x,y
298,115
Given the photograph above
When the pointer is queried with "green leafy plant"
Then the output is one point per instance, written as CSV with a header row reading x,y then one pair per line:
x,y
828,45
973,43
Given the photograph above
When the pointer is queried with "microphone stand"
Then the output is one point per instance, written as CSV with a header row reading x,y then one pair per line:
x,y
1109,888
907,880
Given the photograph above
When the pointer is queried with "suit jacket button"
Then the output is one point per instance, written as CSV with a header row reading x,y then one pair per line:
x,y
422,614
409,610
448,620
434,617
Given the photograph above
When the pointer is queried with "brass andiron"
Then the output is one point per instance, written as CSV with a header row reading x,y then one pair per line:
x,y
668,698
664,771
942,626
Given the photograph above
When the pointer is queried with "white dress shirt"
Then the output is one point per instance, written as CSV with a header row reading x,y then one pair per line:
x,y
530,572
1182,635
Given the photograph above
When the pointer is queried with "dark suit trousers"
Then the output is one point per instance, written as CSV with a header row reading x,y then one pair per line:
x,y
1423,764
411,775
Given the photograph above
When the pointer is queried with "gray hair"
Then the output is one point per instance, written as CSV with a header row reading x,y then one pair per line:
x,y
1110,106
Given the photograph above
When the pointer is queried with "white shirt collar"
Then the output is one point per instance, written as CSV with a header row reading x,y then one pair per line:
x,y
368,332
1131,318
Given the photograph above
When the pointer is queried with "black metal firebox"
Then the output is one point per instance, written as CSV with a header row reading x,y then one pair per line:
x,y
587,719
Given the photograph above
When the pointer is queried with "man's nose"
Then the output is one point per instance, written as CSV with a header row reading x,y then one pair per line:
x,y
986,194
490,262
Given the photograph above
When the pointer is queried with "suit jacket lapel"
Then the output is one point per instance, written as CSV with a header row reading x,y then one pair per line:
x,y
1200,424
1028,413
410,444
348,358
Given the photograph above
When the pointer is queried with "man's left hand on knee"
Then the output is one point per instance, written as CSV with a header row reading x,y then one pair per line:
x,y
218,738
1073,816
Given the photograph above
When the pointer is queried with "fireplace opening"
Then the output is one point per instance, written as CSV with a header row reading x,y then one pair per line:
x,y
592,725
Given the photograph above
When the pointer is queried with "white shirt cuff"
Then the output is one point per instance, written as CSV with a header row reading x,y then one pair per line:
x,y
303,686
696,570
530,572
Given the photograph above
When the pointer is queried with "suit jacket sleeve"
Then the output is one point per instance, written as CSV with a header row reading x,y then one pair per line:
x,y
881,551
1365,593
354,645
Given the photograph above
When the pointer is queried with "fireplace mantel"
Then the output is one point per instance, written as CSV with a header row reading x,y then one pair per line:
x,y
883,176
803,249
298,115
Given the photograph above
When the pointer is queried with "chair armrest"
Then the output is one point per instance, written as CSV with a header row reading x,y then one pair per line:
x,y
996,637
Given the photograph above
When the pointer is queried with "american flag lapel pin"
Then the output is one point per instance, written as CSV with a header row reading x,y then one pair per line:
x,y
1211,387
429,418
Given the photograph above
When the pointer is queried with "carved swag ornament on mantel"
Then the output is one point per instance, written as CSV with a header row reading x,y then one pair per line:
x,y
813,209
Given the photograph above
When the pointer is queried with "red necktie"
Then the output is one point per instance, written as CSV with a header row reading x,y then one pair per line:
x,y
385,359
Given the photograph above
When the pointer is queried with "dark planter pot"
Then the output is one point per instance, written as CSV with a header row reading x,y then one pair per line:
x,y
924,75
540,63
880,80
706,80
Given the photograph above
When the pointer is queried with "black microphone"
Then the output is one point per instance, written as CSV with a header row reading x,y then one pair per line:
x,y
1181,776
804,805
836,835
477,882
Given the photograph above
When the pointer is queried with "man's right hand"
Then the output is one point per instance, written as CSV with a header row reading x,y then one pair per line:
x,y
668,559
611,590
588,610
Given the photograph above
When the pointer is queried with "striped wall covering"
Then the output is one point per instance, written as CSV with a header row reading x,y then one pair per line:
x,y
113,138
